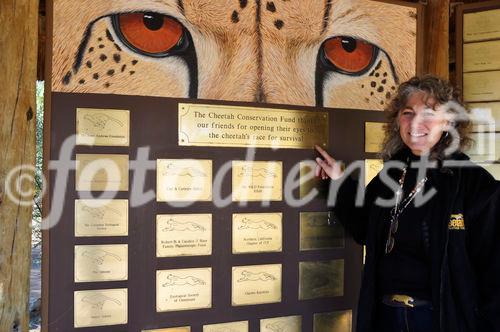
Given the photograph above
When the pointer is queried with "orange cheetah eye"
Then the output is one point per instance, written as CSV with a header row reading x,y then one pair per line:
x,y
349,55
149,33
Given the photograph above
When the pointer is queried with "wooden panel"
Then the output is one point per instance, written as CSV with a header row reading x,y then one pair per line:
x,y
18,44
482,56
483,86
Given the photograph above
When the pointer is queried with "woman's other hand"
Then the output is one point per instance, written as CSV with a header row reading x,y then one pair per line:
x,y
327,167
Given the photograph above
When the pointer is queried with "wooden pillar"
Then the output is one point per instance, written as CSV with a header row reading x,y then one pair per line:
x,y
18,65
436,36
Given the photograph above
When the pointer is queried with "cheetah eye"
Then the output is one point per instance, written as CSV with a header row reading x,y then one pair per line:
x,y
348,55
151,34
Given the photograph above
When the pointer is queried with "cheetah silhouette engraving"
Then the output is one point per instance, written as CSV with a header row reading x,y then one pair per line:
x,y
256,172
173,280
97,301
261,276
100,120
170,170
173,225
250,224
98,256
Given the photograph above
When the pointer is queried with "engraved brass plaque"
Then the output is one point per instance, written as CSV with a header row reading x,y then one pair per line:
x,y
183,289
281,324
256,284
183,235
237,126
485,116
481,56
171,329
481,25
372,168
101,217
227,327
308,180
321,279
101,172
257,181
180,180
257,232
486,147
482,86
102,127
338,321
100,307
101,262
316,233
374,136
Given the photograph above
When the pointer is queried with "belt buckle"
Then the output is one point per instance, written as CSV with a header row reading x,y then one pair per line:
x,y
404,299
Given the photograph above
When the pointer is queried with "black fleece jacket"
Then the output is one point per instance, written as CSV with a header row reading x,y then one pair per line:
x,y
465,256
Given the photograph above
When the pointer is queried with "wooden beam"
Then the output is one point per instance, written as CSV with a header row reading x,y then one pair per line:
x,y
436,32
18,45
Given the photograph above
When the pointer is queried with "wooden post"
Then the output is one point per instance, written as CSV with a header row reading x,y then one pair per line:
x,y
436,32
18,65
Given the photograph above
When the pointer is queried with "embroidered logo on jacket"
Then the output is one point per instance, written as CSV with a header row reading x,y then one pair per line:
x,y
456,222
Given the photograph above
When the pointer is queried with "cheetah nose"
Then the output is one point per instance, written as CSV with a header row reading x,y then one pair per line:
x,y
260,95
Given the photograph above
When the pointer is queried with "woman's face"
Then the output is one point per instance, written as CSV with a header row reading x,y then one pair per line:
x,y
421,122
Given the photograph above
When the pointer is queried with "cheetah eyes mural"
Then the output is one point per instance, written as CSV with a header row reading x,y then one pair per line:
x,y
334,53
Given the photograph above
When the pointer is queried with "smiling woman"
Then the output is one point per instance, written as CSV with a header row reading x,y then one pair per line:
x,y
429,220
327,53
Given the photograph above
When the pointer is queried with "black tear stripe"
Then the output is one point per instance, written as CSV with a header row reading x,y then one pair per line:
x,y
109,36
180,4
326,15
83,45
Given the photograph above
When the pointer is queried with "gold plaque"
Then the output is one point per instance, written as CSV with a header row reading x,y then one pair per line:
x,y
183,289
98,217
481,56
316,233
103,127
482,86
308,180
374,136
486,147
181,180
101,262
237,126
100,307
281,324
257,232
227,327
257,181
485,116
372,168
171,329
338,321
183,235
101,172
256,284
481,25
321,279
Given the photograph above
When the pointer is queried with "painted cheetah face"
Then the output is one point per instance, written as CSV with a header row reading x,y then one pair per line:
x,y
333,53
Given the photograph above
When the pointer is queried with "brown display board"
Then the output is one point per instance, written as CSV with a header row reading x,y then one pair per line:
x,y
154,123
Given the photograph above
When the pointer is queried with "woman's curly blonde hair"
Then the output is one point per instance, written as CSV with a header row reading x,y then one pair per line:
x,y
444,94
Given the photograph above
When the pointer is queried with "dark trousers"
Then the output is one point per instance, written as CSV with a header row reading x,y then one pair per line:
x,y
403,319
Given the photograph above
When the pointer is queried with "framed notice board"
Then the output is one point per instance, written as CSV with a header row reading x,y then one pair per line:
x,y
478,74
178,161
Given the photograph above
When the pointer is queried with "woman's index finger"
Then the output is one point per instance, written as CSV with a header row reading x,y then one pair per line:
x,y
325,154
